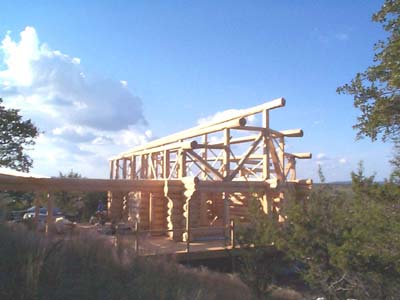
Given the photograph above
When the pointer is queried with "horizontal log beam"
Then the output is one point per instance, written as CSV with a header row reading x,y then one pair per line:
x,y
174,146
17,183
229,122
305,155
301,181
186,134
233,186
240,140
292,132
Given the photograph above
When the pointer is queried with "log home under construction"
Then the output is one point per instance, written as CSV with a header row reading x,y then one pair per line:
x,y
196,181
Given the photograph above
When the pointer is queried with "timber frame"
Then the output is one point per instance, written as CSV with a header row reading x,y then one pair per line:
x,y
194,184
206,176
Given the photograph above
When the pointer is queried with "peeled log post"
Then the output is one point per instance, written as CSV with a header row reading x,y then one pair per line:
x,y
37,211
49,218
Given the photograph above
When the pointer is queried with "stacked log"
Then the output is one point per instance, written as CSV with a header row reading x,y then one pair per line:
x,y
175,219
158,213
187,214
206,216
133,207
218,205
144,211
215,207
239,206
115,204
125,207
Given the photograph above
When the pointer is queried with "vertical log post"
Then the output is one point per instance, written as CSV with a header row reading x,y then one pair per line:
x,y
37,210
227,153
112,169
143,166
188,232
182,163
265,124
232,233
124,168
133,167
166,164
226,162
204,154
281,156
266,170
226,217
116,169
49,219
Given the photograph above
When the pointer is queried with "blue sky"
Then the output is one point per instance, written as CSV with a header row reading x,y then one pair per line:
x,y
99,77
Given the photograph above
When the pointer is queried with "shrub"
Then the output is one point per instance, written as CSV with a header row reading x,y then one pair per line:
x,y
348,245
83,267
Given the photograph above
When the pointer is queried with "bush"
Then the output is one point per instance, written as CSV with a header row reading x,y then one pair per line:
x,y
33,267
347,244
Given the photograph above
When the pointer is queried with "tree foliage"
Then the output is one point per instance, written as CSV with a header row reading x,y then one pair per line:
x,y
376,91
15,136
82,205
347,244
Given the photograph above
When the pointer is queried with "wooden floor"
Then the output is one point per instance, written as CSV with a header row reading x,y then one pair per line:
x,y
164,246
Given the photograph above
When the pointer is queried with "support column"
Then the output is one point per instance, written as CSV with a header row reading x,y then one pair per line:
x,y
158,213
227,153
37,210
133,208
182,164
166,163
191,208
144,211
112,169
175,218
115,205
49,218
266,169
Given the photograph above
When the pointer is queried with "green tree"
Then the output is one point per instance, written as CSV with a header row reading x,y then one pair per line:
x,y
376,91
82,205
346,242
15,136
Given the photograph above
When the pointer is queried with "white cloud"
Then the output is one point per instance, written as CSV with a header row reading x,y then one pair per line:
x,y
79,113
342,161
321,156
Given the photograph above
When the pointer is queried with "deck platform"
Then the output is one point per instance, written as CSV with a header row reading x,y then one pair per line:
x,y
149,245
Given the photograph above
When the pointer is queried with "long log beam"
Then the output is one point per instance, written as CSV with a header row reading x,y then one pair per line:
x,y
186,134
229,122
305,155
17,183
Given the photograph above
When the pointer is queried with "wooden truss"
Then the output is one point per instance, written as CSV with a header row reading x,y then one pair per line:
x,y
193,184
222,167
228,150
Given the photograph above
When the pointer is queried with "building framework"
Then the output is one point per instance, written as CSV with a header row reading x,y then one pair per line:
x,y
197,181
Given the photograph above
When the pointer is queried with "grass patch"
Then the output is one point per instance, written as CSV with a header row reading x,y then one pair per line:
x,y
83,267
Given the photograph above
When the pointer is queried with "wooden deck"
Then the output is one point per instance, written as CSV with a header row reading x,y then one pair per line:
x,y
149,245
